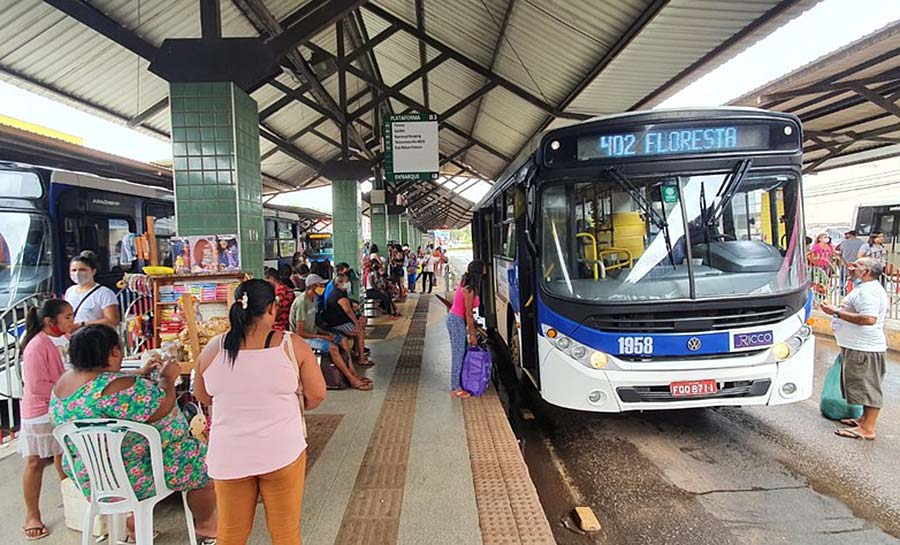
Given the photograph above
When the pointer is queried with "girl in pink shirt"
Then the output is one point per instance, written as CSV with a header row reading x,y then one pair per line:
x,y
43,349
461,323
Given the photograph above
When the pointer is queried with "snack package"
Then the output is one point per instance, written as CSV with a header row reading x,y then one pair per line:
x,y
229,255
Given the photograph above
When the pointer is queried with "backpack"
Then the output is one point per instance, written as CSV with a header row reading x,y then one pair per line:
x,y
476,370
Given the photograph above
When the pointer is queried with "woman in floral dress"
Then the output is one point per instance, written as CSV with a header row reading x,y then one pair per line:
x,y
95,388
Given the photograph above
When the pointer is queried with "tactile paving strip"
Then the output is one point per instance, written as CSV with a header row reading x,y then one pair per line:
x,y
372,516
509,511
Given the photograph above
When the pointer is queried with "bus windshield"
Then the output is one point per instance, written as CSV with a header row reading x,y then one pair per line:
x,y
25,256
693,235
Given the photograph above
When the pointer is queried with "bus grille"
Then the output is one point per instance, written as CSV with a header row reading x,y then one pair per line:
x,y
728,390
676,321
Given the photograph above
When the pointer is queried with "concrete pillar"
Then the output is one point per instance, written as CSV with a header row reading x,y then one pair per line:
x,y
346,213
394,227
404,230
379,226
215,150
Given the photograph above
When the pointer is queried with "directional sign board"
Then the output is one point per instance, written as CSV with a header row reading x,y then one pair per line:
x,y
411,147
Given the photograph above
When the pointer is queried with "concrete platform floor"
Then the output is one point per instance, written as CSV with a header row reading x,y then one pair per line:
x,y
427,498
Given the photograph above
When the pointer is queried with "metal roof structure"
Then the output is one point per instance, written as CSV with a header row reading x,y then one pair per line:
x,y
497,72
847,100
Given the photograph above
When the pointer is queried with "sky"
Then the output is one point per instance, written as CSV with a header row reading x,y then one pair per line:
x,y
824,28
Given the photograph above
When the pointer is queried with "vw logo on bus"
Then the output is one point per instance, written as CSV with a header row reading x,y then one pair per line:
x,y
694,344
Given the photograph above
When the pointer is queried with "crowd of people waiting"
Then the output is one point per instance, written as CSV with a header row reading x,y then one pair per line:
x,y
72,370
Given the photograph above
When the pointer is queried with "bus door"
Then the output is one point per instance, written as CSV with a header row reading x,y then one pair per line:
x,y
888,222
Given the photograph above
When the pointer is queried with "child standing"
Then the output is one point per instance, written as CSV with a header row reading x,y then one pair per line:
x,y
45,344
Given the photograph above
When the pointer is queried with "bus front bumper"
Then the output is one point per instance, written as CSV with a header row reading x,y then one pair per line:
x,y
762,381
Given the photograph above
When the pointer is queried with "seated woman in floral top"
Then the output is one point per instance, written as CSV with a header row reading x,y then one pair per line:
x,y
95,388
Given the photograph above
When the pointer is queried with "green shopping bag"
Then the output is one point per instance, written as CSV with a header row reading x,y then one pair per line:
x,y
833,403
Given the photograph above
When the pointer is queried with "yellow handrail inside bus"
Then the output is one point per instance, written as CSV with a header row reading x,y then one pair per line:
x,y
611,250
594,256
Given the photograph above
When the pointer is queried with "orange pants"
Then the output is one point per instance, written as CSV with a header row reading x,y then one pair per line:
x,y
282,495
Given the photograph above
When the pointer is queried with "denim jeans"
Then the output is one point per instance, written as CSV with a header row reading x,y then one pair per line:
x,y
458,345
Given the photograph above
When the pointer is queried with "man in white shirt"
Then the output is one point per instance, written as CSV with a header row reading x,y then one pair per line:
x,y
859,329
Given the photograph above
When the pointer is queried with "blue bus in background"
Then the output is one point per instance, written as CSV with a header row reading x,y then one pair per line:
x,y
653,260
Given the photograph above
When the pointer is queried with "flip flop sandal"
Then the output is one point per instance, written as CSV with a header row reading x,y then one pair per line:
x,y
42,532
368,363
206,540
131,539
363,386
850,434
461,394
850,422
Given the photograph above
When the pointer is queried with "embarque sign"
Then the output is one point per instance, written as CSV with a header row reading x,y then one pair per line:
x,y
411,147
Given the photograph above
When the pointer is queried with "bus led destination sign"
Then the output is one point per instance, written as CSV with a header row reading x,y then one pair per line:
x,y
673,141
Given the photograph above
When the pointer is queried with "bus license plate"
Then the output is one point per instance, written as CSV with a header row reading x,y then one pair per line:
x,y
693,388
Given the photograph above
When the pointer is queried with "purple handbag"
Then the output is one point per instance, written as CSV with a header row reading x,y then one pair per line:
x,y
476,370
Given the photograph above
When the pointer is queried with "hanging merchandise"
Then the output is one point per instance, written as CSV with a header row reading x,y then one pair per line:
x,y
229,255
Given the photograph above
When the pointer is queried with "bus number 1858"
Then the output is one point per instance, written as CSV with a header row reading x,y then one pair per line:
x,y
636,345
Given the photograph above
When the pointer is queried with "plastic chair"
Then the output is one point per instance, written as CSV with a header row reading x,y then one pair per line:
x,y
98,443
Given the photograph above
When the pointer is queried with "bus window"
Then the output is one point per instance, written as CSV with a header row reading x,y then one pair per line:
x,y
270,243
865,218
26,260
20,185
120,242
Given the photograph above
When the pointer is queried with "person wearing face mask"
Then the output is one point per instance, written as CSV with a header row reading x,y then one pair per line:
x,y
93,304
340,317
44,352
303,323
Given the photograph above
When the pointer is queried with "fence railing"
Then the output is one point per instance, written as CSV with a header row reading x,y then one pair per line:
x,y
12,330
830,284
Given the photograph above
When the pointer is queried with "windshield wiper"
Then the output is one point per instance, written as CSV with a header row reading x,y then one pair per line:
x,y
727,192
646,206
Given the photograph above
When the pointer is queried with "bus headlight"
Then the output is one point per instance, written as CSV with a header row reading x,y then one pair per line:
x,y
784,350
599,360
563,343
578,351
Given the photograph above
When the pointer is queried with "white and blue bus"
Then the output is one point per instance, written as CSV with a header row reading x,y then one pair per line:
x,y
653,260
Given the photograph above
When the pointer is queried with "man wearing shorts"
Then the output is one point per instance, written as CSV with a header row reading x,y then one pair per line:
x,y
859,329
303,323
340,317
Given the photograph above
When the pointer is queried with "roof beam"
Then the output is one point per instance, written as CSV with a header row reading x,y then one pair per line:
x,y
210,20
832,153
260,16
633,31
289,149
501,35
323,14
829,86
469,63
399,86
92,17
877,99
423,57
773,13
140,118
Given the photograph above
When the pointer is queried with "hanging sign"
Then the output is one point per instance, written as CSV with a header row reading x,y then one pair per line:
x,y
411,147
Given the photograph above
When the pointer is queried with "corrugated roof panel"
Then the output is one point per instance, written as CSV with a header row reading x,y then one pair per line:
x,y
683,32
506,121
549,48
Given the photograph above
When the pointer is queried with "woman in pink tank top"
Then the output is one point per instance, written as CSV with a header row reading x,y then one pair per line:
x,y
461,323
257,444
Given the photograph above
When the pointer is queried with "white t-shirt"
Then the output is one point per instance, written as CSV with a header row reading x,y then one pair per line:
x,y
868,299
428,265
92,308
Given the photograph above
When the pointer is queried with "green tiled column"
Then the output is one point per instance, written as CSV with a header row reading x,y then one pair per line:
x,y
404,231
215,149
346,212
379,226
394,227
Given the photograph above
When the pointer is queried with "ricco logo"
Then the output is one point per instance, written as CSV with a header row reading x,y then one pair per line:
x,y
757,338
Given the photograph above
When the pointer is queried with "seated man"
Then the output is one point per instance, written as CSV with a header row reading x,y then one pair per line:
x,y
303,323
340,317
343,268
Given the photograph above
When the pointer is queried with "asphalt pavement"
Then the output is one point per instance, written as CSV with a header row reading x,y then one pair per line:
x,y
719,476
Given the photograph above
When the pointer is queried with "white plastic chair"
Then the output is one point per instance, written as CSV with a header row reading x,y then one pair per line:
x,y
98,443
